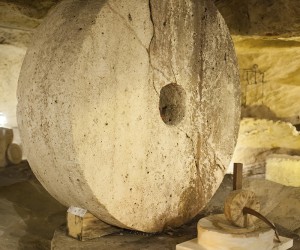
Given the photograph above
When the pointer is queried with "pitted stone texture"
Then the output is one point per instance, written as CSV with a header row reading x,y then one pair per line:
x,y
89,108
283,169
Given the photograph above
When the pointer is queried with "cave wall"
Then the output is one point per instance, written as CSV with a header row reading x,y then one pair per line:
x,y
11,59
18,20
267,41
271,18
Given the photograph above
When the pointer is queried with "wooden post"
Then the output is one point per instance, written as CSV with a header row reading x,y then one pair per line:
x,y
237,176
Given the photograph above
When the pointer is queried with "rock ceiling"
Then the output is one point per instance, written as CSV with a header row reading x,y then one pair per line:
x,y
270,18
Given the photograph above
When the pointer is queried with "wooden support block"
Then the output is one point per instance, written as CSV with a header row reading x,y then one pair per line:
x,y
3,147
9,135
14,153
82,225
6,138
237,176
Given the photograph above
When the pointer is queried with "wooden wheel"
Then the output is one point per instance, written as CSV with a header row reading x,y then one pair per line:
x,y
234,204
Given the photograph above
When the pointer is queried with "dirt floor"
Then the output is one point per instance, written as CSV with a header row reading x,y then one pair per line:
x,y
30,217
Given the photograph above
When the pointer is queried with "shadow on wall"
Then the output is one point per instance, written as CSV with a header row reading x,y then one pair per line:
x,y
254,159
259,112
264,112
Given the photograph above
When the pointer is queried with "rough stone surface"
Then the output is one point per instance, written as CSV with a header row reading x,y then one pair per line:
x,y
270,93
244,17
19,18
283,169
89,96
259,138
279,203
263,18
24,14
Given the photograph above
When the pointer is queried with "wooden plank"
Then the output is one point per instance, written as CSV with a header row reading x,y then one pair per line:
x,y
3,146
237,176
6,138
88,227
94,228
74,226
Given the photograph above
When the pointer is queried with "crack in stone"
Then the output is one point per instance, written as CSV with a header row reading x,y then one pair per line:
x,y
149,48
127,26
149,52
197,159
195,152
162,73
154,87
195,155
139,40
219,75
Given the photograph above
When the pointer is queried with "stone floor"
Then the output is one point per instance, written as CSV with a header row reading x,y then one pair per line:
x,y
29,216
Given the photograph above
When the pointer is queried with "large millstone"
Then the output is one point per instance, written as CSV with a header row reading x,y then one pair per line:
x,y
130,109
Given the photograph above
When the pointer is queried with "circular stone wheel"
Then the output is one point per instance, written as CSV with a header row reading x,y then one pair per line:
x,y
212,237
14,153
131,110
234,204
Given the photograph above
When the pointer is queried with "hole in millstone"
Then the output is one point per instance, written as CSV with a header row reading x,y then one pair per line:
x,y
172,104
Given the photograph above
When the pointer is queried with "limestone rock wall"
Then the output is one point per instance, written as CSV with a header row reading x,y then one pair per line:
x,y
11,59
272,89
18,19
283,169
279,203
266,37
270,81
259,138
